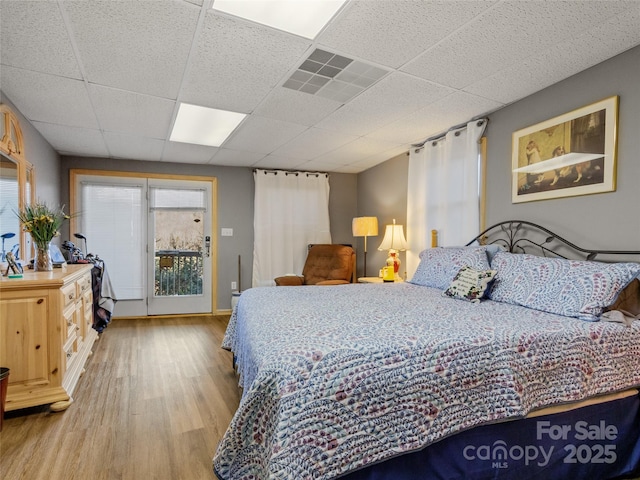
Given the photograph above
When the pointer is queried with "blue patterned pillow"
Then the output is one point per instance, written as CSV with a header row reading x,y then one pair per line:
x,y
571,288
438,266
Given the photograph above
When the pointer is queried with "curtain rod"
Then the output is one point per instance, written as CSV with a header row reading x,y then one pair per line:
x,y
290,172
440,136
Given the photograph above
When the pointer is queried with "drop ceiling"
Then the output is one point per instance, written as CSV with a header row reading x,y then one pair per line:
x,y
105,79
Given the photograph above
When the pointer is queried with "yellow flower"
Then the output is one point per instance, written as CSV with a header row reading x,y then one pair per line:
x,y
42,221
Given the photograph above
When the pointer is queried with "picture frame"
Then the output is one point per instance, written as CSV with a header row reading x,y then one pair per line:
x,y
568,155
12,265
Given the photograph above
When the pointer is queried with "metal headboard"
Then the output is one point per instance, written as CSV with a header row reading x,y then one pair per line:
x,y
519,235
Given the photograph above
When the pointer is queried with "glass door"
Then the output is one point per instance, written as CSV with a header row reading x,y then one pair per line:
x,y
154,235
179,250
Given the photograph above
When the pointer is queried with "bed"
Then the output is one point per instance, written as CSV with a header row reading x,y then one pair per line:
x,y
432,379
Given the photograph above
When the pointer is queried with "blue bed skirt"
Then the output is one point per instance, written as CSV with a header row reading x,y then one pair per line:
x,y
597,442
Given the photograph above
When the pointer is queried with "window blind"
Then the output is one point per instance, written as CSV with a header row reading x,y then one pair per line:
x,y
176,199
112,221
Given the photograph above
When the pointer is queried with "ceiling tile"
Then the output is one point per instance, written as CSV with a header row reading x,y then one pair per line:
x,y
371,161
276,161
132,113
289,105
562,60
236,64
312,143
409,27
263,135
34,37
347,169
137,46
436,118
355,151
187,153
320,166
509,34
70,140
397,95
235,158
48,98
132,147
394,97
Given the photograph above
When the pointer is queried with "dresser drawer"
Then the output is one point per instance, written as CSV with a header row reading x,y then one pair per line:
x,y
69,295
84,285
71,356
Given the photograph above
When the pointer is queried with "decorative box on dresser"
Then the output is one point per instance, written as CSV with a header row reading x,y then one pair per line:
x,y
46,335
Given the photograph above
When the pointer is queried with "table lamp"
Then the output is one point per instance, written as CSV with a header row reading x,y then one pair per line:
x,y
393,241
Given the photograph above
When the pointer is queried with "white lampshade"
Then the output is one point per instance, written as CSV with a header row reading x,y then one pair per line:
x,y
365,226
393,238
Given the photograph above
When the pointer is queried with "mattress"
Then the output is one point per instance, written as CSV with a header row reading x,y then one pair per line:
x,y
338,378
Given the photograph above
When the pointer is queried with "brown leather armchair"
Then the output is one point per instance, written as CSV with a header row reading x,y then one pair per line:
x,y
326,264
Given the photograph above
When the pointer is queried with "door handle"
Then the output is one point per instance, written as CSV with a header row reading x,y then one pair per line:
x,y
207,245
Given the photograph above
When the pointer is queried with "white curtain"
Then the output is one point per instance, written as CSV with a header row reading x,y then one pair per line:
x,y
291,211
443,191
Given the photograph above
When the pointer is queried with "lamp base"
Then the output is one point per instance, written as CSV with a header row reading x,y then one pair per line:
x,y
394,261
365,257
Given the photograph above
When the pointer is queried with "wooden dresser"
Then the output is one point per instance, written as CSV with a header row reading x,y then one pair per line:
x,y
46,335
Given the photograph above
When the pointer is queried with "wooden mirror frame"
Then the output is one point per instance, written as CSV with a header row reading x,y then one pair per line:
x,y
12,146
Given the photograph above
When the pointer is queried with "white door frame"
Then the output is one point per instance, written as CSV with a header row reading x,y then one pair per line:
x,y
138,308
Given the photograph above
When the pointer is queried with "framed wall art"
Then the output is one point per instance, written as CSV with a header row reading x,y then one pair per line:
x,y
572,154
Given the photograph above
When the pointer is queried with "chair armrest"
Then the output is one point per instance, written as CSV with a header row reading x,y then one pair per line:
x,y
288,281
333,282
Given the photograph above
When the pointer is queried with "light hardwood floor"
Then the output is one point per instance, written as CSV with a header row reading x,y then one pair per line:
x,y
154,402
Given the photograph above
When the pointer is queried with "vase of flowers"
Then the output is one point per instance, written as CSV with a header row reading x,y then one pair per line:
x,y
42,261
43,223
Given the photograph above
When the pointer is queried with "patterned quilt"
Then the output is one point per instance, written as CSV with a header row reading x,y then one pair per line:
x,y
338,377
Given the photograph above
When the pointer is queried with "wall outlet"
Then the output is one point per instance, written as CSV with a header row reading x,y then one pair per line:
x,y
234,285
227,232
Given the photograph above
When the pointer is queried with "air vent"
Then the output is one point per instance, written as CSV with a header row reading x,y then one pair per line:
x,y
333,76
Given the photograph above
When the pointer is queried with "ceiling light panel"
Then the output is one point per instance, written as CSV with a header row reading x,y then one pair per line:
x,y
300,17
204,126
333,76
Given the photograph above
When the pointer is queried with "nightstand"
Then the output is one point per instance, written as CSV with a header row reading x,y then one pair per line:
x,y
375,280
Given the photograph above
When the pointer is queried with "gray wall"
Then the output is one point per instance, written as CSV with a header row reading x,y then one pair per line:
x,y
41,155
343,206
235,209
599,221
382,193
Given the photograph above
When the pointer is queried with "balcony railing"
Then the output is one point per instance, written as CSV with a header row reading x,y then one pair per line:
x,y
178,272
